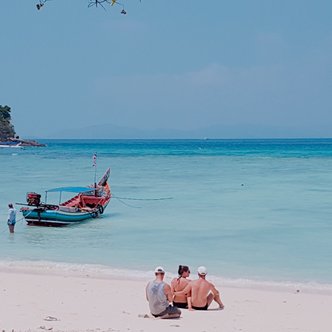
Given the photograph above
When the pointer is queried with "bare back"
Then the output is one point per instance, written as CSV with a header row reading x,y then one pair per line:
x,y
177,285
199,291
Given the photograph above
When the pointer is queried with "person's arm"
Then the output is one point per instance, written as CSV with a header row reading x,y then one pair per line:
x,y
173,282
168,292
146,292
190,307
216,296
185,291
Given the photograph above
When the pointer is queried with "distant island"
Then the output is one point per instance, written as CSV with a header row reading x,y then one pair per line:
x,y
8,135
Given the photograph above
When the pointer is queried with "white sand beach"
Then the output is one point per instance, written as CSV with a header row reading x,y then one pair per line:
x,y
34,301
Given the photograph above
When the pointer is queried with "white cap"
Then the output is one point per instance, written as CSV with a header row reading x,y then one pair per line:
x,y
159,269
202,270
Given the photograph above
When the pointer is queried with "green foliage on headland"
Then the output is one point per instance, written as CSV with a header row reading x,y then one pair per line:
x,y
6,128
7,131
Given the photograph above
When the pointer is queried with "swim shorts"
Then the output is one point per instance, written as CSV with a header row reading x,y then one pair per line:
x,y
201,308
181,305
169,311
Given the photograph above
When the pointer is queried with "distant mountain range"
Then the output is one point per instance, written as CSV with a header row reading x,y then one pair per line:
x,y
110,131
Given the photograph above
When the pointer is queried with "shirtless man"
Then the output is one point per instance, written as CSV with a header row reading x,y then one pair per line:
x,y
160,297
201,292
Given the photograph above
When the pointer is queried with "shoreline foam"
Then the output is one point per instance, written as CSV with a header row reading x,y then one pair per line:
x,y
105,272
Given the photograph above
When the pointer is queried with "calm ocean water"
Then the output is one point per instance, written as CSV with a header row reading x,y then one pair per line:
x,y
247,209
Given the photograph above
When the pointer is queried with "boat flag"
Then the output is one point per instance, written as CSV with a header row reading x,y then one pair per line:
x,y
94,160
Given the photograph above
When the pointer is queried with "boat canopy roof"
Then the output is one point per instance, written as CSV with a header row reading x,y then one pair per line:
x,y
70,189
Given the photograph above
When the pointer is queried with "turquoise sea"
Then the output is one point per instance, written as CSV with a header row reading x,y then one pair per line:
x,y
258,210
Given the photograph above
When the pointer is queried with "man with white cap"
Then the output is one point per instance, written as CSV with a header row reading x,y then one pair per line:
x,y
201,292
160,296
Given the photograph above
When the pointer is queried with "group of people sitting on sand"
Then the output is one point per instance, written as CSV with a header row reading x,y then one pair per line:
x,y
165,300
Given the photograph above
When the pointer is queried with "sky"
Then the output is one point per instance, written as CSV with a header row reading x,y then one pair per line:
x,y
167,69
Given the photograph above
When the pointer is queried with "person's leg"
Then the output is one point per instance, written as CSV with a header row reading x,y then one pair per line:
x,y
180,305
216,298
209,299
170,316
11,228
172,312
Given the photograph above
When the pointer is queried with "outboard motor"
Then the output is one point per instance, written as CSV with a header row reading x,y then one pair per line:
x,y
33,199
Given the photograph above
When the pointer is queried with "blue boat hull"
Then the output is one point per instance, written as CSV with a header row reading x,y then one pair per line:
x,y
55,217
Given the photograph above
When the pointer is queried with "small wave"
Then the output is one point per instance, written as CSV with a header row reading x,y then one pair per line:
x,y
288,286
106,272
72,269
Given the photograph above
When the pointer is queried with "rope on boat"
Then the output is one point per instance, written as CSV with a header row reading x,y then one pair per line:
x,y
18,220
143,199
24,217
126,204
121,200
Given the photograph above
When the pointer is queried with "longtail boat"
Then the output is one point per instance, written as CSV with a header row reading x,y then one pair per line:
x,y
10,145
88,202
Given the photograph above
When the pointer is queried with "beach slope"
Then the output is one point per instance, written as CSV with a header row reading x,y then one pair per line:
x,y
33,301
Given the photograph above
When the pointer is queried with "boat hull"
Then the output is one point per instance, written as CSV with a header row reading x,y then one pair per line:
x,y
35,216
